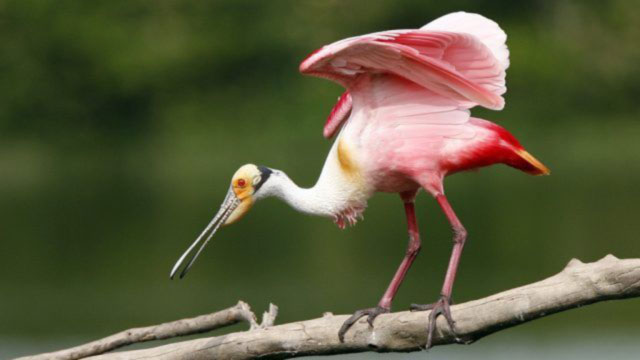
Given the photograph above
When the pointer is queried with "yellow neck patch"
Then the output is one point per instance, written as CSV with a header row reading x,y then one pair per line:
x,y
345,158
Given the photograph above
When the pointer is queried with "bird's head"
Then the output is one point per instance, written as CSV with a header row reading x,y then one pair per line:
x,y
247,186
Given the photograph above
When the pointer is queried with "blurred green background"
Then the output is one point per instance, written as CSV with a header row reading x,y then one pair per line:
x,y
121,123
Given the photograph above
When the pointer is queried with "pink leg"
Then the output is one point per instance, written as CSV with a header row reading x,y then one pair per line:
x,y
412,251
442,306
459,238
384,305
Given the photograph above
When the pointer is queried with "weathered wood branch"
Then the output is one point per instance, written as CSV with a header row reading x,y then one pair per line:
x,y
203,323
577,285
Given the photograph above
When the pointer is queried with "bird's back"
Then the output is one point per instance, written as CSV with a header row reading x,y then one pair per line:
x,y
404,136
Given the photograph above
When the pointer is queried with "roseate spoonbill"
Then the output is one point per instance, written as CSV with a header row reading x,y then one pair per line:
x,y
403,124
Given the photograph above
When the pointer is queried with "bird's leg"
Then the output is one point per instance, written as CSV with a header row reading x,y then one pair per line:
x,y
384,305
441,307
412,251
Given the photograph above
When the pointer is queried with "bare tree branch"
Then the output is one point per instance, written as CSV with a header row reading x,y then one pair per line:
x,y
577,285
196,325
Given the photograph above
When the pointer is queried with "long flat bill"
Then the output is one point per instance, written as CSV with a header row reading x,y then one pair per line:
x,y
228,205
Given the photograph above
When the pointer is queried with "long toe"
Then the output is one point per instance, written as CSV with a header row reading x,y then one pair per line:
x,y
371,314
441,307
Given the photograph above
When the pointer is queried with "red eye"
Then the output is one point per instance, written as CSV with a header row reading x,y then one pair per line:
x,y
242,182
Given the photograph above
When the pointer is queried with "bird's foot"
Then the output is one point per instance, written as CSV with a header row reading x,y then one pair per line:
x,y
371,314
440,307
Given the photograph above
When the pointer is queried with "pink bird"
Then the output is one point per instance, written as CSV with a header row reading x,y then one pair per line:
x,y
403,124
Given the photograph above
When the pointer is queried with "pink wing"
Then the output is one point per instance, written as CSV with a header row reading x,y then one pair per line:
x,y
460,56
456,65
486,30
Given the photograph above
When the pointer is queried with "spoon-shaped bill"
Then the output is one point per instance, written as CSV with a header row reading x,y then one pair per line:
x,y
229,204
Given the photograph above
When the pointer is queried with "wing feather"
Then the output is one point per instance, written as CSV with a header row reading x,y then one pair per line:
x,y
445,62
393,52
459,60
488,31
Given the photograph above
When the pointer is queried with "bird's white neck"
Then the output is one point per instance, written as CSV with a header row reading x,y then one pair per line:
x,y
306,200
334,195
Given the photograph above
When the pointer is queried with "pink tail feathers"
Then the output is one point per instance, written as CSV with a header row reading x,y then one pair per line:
x,y
513,153
503,148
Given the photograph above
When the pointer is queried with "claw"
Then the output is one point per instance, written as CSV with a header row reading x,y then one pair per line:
x,y
440,307
371,314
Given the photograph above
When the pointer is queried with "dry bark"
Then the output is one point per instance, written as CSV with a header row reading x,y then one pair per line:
x,y
577,285
203,323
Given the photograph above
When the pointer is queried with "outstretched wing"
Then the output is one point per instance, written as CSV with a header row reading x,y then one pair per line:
x,y
460,56
486,30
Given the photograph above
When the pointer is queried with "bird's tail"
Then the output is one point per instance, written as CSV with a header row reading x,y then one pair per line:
x,y
527,163
509,151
